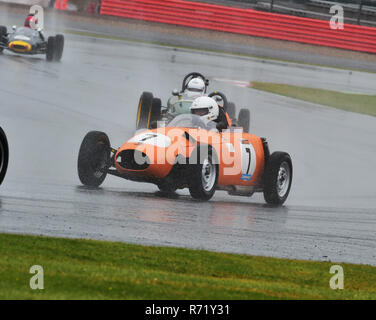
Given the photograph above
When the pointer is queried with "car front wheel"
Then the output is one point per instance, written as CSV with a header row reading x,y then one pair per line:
x,y
3,33
51,49
204,174
59,47
93,158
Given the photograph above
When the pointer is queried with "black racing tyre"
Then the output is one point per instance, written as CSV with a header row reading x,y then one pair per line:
x,y
156,108
59,39
4,155
204,172
51,49
94,158
144,111
231,110
277,178
244,119
3,32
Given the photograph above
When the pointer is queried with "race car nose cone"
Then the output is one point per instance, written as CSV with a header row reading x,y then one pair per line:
x,y
133,160
20,46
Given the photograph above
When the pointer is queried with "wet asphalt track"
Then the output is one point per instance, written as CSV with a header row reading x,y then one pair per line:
x,y
47,108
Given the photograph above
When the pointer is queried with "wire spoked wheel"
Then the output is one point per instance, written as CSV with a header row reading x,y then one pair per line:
x,y
204,173
283,180
208,174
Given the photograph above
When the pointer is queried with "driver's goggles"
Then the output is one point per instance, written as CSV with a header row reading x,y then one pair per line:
x,y
200,112
195,90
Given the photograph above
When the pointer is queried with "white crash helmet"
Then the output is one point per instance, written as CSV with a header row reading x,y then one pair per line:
x,y
195,88
205,107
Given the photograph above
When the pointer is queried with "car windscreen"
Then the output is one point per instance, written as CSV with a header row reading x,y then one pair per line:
x,y
181,107
191,121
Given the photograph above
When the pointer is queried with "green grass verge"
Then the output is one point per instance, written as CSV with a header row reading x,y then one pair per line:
x,y
360,103
109,37
87,269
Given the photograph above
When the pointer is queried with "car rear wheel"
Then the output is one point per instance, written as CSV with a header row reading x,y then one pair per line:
x,y
244,119
93,158
51,49
155,111
144,111
204,174
59,46
231,110
277,178
4,155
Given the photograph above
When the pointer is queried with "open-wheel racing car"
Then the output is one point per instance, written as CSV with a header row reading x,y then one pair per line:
x,y
28,41
189,153
150,109
4,155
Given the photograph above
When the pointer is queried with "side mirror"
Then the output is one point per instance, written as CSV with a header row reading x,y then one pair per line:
x,y
175,92
14,28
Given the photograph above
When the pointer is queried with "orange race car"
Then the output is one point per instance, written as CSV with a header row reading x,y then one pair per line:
x,y
189,153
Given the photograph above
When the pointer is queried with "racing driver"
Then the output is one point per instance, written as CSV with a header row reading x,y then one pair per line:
x,y
31,18
208,109
195,88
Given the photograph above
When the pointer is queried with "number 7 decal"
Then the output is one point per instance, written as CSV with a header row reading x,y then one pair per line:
x,y
249,157
149,136
248,161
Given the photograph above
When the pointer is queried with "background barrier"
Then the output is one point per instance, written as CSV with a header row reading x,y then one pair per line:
x,y
244,21
61,4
